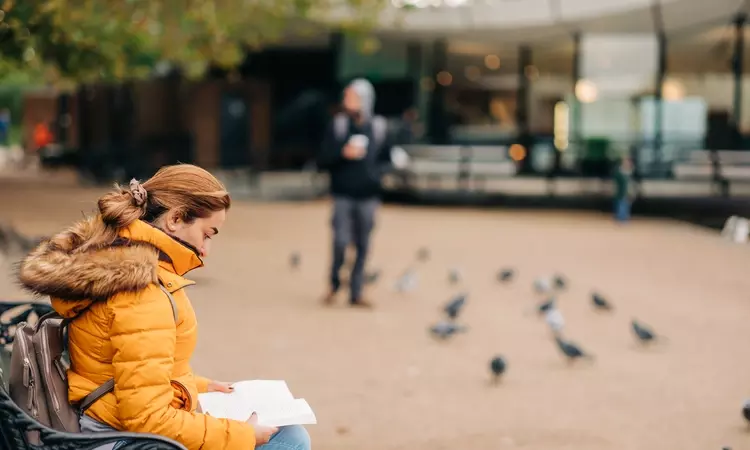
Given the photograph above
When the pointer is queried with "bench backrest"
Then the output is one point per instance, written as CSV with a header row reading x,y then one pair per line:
x,y
16,425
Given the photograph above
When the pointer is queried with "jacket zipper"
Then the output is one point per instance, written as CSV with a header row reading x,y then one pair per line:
x,y
28,378
189,403
45,348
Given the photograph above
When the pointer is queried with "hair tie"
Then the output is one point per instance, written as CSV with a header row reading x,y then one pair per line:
x,y
138,192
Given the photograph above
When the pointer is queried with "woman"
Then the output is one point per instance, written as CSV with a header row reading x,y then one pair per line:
x,y
105,272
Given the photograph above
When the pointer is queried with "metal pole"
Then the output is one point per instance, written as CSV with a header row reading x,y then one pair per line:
x,y
437,120
661,71
738,69
522,106
414,69
336,45
575,106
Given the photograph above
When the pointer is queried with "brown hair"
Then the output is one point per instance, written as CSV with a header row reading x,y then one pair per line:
x,y
188,189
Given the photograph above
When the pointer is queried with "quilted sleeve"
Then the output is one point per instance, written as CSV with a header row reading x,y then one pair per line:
x,y
143,336
202,383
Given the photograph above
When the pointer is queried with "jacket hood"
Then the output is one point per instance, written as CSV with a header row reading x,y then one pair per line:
x,y
59,269
366,93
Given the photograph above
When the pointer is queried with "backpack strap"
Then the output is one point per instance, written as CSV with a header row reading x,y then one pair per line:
x,y
109,385
171,300
340,126
379,130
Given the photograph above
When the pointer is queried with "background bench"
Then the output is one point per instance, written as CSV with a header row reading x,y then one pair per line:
x,y
438,165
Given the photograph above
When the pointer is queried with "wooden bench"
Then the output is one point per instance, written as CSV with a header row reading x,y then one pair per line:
x,y
15,424
462,164
728,165
721,167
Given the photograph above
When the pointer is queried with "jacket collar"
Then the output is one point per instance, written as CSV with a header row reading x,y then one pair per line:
x,y
176,255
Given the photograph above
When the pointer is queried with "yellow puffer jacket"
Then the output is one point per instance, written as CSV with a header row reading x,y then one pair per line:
x,y
129,332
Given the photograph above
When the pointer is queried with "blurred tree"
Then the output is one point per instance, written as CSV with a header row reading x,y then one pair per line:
x,y
71,41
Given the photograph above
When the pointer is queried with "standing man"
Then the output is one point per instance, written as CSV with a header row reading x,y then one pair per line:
x,y
356,153
622,200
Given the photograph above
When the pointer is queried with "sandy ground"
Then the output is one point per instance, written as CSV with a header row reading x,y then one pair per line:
x,y
378,381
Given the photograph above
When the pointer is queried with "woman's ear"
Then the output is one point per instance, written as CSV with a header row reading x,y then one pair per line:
x,y
173,220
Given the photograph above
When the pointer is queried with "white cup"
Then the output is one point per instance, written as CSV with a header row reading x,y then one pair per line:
x,y
359,140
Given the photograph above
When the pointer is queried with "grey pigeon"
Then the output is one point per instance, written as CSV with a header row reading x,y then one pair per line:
x,y
497,367
454,307
644,334
444,330
571,351
13,241
372,277
546,306
559,282
423,254
555,320
600,302
454,276
505,275
542,285
746,410
295,259
407,281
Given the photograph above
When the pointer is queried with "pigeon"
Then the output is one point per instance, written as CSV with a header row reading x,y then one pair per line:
x,y
407,281
423,254
454,276
570,350
444,330
546,306
600,303
372,277
555,320
559,282
542,285
12,241
505,275
497,366
644,334
454,307
746,410
295,259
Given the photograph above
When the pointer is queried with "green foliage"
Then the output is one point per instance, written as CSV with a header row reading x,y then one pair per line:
x,y
86,40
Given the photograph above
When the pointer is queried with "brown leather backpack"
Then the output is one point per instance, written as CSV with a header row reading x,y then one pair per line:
x,y
38,381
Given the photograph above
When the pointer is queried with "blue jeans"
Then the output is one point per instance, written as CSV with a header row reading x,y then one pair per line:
x,y
622,209
292,437
353,221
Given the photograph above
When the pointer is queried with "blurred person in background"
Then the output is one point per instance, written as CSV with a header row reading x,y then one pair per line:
x,y
104,274
356,153
42,136
411,129
622,198
5,127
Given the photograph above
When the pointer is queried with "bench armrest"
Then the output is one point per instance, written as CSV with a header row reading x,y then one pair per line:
x,y
15,425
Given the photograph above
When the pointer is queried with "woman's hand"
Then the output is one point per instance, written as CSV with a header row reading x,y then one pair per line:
x,y
220,386
262,433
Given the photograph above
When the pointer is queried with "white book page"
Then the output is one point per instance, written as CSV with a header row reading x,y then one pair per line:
x,y
296,412
271,400
257,393
225,406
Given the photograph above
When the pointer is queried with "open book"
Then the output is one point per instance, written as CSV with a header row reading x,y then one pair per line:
x,y
271,400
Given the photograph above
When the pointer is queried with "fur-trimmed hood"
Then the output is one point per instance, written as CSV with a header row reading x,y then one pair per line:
x,y
59,268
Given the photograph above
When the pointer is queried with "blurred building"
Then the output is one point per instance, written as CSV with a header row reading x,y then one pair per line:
x,y
572,82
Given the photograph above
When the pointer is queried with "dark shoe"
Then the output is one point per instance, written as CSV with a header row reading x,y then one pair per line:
x,y
329,299
361,303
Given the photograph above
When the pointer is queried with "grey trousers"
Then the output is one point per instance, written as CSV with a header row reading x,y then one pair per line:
x,y
89,425
353,221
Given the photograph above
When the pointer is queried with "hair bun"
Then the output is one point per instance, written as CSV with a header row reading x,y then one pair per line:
x,y
138,192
